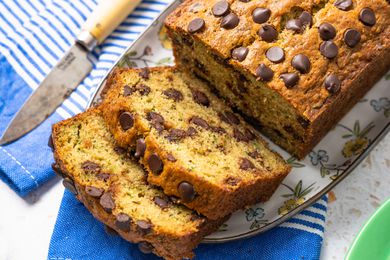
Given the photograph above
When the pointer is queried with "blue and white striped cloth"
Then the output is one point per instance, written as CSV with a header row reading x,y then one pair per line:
x,y
34,34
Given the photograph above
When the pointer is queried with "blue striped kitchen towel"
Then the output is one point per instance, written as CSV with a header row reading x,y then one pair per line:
x,y
33,36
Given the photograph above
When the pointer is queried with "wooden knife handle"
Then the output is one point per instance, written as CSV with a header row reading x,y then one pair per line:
x,y
107,16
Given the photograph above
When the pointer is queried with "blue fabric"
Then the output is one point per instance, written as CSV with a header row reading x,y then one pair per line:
x,y
83,237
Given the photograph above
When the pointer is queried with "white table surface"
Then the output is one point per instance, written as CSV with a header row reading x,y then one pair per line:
x,y
26,224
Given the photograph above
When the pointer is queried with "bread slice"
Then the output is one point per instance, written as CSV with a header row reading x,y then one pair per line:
x,y
190,142
114,189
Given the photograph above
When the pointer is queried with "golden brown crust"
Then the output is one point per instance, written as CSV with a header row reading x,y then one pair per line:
x,y
309,98
167,245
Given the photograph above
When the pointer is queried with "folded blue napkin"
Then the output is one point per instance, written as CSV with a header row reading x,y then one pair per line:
x,y
33,36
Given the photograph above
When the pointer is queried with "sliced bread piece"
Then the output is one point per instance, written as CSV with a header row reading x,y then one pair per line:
x,y
191,142
113,188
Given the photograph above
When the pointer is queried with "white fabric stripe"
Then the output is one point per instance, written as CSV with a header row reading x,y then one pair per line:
x,y
79,99
323,203
302,227
63,113
69,104
310,219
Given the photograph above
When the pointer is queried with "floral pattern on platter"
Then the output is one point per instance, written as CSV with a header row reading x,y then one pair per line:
x,y
309,178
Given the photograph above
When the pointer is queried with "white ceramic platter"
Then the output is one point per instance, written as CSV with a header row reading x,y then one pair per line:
x,y
331,160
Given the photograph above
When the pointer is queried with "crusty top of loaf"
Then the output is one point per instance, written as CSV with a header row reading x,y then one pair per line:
x,y
309,96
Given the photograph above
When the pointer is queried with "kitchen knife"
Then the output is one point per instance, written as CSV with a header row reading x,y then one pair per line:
x,y
70,70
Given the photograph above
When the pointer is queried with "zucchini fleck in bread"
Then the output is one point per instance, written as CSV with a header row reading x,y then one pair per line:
x,y
293,67
191,143
114,189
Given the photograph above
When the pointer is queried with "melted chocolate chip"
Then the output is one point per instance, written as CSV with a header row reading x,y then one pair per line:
x,y
261,15
249,135
123,222
94,192
119,150
220,8
144,73
196,25
217,129
229,117
200,97
171,158
275,54
156,120
173,94
186,191
199,122
107,202
327,31
57,169
145,247
329,49
230,21
156,165
264,72
140,148
255,154
143,89
90,167
268,33
295,25
290,79
301,63
306,19
332,83
343,5
303,121
246,164
191,131
161,202
69,185
352,37
144,227
240,53
126,120
367,16
176,134
239,136
127,90
103,176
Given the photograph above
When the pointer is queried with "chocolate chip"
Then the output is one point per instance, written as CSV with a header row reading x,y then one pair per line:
x,y
246,164
171,158
156,120
249,135
240,53
230,21
275,54
343,5
145,247
217,129
123,222
367,16
127,90
231,181
290,79
119,150
110,231
332,83
255,154
301,63
268,33
126,120
161,202
143,89
191,131
200,97
176,134
306,19
144,73
50,142
294,25
186,191
261,15
199,122
220,8
196,25
329,49
240,137
352,37
144,227
303,121
156,165
103,176
94,192
140,148
69,185
174,94
57,169
264,72
327,31
90,167
229,117
107,202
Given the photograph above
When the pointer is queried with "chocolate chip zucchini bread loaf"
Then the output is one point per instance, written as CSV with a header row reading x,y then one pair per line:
x,y
191,143
114,189
293,67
